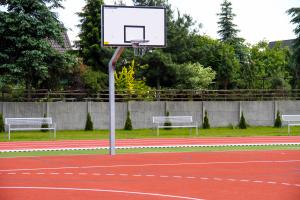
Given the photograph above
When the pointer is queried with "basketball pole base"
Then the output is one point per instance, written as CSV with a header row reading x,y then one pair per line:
x,y
112,110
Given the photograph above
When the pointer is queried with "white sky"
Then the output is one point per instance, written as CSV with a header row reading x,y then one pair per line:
x,y
256,19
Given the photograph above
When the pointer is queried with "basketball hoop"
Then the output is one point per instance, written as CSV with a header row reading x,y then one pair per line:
x,y
139,47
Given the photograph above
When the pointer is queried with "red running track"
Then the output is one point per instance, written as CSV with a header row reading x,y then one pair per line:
x,y
236,175
123,143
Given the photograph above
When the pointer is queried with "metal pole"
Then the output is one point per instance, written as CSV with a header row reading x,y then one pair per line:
x,y
112,110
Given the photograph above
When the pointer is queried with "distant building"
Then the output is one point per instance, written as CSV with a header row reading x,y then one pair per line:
x,y
284,43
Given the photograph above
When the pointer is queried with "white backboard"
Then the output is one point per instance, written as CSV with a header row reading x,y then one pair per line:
x,y
122,24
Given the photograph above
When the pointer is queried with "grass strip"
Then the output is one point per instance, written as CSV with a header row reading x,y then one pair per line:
x,y
150,150
149,133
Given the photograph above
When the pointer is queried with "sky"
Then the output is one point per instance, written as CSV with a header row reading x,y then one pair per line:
x,y
256,19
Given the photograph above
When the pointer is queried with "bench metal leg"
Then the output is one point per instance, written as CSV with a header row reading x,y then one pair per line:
x,y
9,132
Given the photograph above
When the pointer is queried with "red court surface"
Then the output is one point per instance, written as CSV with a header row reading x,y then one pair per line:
x,y
135,143
234,175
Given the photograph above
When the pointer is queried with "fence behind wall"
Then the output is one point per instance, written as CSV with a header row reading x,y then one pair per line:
x,y
151,95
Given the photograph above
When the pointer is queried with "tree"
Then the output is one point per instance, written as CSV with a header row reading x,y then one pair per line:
x,y
89,126
2,129
193,76
242,123
206,124
128,123
278,122
167,123
126,81
295,14
26,29
90,37
270,66
228,31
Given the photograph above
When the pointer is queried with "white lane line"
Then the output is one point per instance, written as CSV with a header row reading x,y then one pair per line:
x,y
272,182
297,185
287,184
190,177
12,173
231,179
257,181
100,190
217,179
152,164
204,178
150,175
177,176
123,174
164,176
244,180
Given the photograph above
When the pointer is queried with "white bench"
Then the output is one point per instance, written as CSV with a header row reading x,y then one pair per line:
x,y
17,124
176,122
292,120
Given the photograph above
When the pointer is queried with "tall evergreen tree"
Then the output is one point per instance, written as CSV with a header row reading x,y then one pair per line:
x,y
90,37
295,14
26,29
227,31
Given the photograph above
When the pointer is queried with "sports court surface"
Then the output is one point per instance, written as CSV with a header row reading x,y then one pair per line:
x,y
202,175
213,175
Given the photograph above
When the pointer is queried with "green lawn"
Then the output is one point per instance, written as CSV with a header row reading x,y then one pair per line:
x,y
149,133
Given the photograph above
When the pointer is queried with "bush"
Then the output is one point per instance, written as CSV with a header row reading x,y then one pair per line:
x,y
89,124
278,123
1,123
45,125
206,124
167,123
128,124
242,124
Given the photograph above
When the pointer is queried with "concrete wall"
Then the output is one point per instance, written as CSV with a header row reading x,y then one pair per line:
x,y
72,115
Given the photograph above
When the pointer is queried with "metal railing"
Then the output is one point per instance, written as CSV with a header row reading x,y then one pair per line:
x,y
44,95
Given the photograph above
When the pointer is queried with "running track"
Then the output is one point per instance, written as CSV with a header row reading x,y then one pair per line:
x,y
142,143
231,175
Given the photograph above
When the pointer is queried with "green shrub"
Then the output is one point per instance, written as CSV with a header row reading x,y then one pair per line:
x,y
167,123
45,125
89,124
278,123
206,124
128,124
1,123
242,124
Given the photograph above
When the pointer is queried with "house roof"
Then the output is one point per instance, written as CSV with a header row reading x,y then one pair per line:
x,y
66,43
284,43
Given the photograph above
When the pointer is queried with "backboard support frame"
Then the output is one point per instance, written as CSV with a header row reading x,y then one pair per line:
x,y
141,44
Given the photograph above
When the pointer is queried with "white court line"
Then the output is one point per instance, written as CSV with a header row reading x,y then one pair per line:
x,y
99,190
153,164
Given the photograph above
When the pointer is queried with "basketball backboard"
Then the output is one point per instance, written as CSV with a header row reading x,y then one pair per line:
x,y
121,25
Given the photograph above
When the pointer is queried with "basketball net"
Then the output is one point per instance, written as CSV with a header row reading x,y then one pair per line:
x,y
139,47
